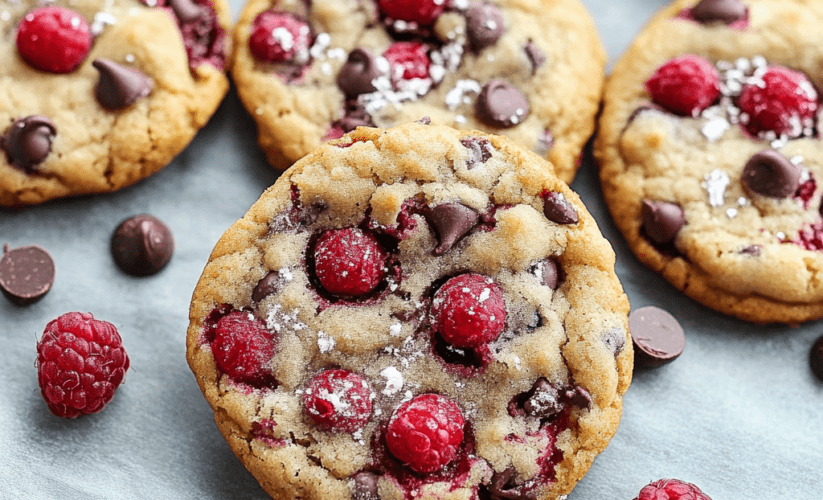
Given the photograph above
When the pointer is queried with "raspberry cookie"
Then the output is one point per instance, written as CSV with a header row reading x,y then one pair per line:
x,y
529,69
98,95
710,154
416,312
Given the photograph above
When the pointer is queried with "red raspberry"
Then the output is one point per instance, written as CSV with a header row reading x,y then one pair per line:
x,y
469,310
338,400
686,85
53,39
280,37
80,363
424,433
671,489
243,347
784,103
408,60
349,261
422,12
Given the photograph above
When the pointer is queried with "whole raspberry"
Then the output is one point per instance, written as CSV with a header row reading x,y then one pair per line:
x,y
80,363
685,85
469,310
407,60
53,39
349,261
671,489
243,347
280,37
785,102
424,433
422,12
338,400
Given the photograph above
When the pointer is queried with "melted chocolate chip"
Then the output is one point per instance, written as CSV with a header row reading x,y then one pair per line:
x,y
615,340
504,486
535,55
269,284
484,25
142,245
501,105
771,174
28,141
558,210
120,86
358,73
187,10
544,400
547,273
480,150
724,11
662,220
26,274
816,358
657,337
451,221
365,486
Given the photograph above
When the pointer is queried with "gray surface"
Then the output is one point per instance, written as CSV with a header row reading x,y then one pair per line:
x,y
738,413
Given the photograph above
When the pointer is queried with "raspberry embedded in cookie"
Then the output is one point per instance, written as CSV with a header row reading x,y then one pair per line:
x,y
338,400
425,433
408,60
469,311
349,262
671,489
685,85
243,347
422,12
53,39
280,37
782,102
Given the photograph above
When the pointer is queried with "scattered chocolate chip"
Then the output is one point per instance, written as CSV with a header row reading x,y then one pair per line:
x,y
187,10
269,284
365,486
816,358
142,245
451,221
546,272
725,11
753,250
535,55
544,400
657,337
484,25
662,220
615,340
557,209
26,273
771,174
500,104
480,150
28,141
358,73
119,86
503,486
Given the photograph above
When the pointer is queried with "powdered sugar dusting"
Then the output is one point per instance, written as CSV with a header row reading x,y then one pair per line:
x,y
394,380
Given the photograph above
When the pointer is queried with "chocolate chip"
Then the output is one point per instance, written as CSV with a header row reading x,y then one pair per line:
x,y
503,486
657,337
557,209
816,358
544,400
359,72
535,55
771,174
119,86
546,272
26,273
365,486
425,121
269,284
28,141
451,221
615,340
662,220
500,104
187,11
484,25
753,250
142,245
725,11
578,396
480,150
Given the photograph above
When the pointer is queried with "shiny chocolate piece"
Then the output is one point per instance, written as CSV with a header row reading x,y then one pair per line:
x,y
662,220
26,274
119,86
816,358
480,150
451,221
558,210
615,340
142,245
28,141
657,337
359,72
544,400
771,174
484,25
365,486
503,486
500,104
724,11
547,273
270,283
535,55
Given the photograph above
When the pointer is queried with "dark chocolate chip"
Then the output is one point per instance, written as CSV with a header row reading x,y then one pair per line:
x,y
187,10
26,273
503,486
269,284
615,340
451,221
725,11
816,358
753,250
500,104
579,397
557,209
120,86
544,400
28,141
547,273
771,174
142,245
480,150
662,220
484,25
535,55
657,337
365,486
358,73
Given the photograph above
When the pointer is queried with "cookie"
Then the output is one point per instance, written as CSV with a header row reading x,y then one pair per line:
x,y
529,69
414,312
98,95
710,155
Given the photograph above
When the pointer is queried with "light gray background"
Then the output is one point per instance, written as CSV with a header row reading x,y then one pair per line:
x,y
739,413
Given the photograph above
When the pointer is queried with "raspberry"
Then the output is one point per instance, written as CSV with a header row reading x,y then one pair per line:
x,y
785,102
686,85
469,310
280,37
671,489
80,363
422,12
425,432
338,400
408,60
243,347
53,39
349,261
